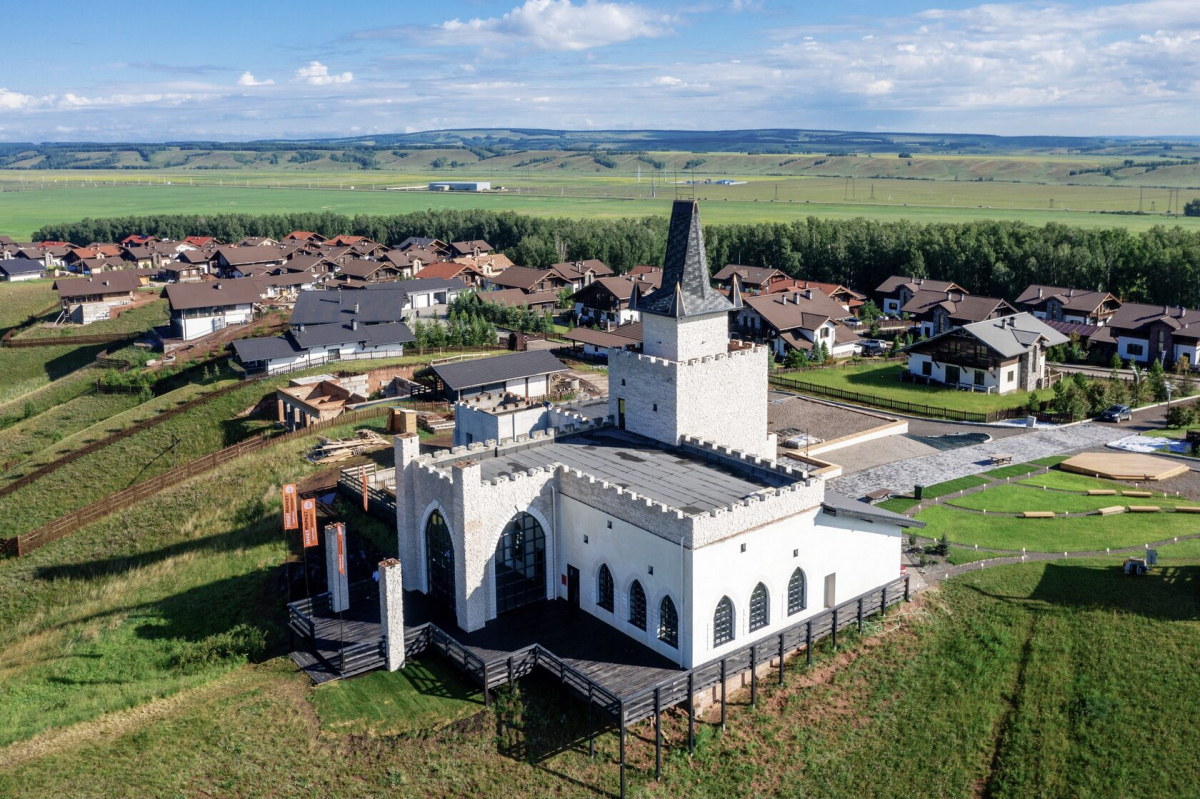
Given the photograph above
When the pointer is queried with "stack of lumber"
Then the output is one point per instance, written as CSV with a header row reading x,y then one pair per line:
x,y
332,450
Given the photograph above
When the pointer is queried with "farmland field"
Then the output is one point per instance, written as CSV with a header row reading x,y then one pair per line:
x,y
22,212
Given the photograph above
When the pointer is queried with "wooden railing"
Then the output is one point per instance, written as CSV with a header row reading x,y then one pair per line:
x,y
69,523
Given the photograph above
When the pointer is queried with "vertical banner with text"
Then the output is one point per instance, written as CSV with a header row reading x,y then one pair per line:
x,y
308,516
291,508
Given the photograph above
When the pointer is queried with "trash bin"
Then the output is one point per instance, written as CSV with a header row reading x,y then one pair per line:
x,y
918,491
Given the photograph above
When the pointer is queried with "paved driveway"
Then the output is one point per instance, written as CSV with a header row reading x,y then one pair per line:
x,y
938,467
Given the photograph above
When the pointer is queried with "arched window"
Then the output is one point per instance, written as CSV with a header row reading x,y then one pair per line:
x,y
520,564
439,560
760,607
637,605
796,588
668,623
723,622
604,589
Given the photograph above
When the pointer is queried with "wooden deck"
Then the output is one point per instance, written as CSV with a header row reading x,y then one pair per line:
x,y
603,655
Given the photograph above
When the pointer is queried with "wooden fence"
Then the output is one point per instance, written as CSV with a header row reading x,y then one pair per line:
x,y
145,424
66,341
65,525
30,321
887,403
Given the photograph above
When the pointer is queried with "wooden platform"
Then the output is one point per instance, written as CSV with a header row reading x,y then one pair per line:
x,y
1124,466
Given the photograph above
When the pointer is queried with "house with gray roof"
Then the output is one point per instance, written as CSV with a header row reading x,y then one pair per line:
x,y
316,345
525,374
997,356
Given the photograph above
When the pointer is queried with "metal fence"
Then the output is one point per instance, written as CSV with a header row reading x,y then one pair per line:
x,y
65,525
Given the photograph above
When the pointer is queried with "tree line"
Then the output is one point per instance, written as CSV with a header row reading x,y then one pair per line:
x,y
986,257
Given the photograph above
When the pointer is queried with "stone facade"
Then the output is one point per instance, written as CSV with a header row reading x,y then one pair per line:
x,y
391,611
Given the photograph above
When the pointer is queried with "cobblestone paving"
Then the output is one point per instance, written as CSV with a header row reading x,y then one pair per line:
x,y
938,467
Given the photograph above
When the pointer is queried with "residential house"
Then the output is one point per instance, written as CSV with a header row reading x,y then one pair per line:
x,y
141,257
13,270
137,240
89,299
581,273
360,271
257,241
437,246
524,374
938,311
851,300
896,292
539,301
527,280
1142,333
998,355
354,331
607,300
600,344
489,264
474,247
449,270
1055,304
314,264
198,309
408,263
231,262
304,236
754,279
796,320
200,241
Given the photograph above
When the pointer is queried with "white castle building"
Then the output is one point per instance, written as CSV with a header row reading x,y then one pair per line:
x,y
669,518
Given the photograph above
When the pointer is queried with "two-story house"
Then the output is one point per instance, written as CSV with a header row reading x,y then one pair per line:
x,y
997,356
1055,304
896,292
800,320
938,311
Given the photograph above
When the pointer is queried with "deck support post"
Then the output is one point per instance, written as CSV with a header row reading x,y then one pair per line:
x,y
591,725
691,707
781,659
621,721
906,594
860,611
835,628
808,642
722,694
753,674
657,735
883,602
510,672
487,701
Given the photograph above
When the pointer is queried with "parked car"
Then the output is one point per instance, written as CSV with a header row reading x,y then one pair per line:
x,y
873,347
1116,413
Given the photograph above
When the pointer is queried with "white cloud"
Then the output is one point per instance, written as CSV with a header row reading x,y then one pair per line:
x,y
562,25
13,101
667,80
317,74
248,79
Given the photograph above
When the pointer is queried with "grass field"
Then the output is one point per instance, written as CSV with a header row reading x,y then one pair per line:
x,y
1060,534
132,321
1069,481
1044,679
24,299
883,380
953,486
1013,470
22,212
28,369
1021,498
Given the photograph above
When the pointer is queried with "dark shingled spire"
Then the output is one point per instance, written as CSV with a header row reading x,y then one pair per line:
x,y
685,290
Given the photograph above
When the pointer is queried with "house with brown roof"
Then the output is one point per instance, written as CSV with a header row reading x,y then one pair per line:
x,y
89,299
1142,333
754,279
200,241
581,273
316,264
304,235
527,280
198,309
938,311
448,270
1056,304
844,296
800,320
421,243
539,301
359,272
896,292
599,344
492,263
137,240
306,401
607,301
473,247
232,262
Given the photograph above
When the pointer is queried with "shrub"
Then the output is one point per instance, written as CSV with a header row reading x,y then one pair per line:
x,y
1181,416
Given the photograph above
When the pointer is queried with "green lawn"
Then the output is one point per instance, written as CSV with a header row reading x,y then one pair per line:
x,y
897,504
883,380
1060,534
135,320
953,486
1020,498
60,422
28,369
1053,460
1041,679
1070,481
19,301
1014,470
428,693
1170,432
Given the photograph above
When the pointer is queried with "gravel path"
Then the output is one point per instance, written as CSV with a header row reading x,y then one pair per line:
x,y
939,467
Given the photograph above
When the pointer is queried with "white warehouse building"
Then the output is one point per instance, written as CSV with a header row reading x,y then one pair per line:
x,y
668,518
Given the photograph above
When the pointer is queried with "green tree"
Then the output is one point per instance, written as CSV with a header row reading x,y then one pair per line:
x,y
1192,208
796,359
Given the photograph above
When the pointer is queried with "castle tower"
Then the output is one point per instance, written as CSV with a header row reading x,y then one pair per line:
x,y
687,381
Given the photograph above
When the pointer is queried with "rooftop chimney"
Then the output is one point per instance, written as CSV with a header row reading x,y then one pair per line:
x,y
354,324
1039,292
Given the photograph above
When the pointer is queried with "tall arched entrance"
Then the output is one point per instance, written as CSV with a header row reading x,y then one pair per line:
x,y
439,561
520,564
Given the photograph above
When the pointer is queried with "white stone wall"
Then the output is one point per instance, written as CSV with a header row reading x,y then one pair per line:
x,y
473,424
1123,349
201,326
683,339
862,555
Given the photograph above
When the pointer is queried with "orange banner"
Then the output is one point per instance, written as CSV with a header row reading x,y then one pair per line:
x,y
366,506
340,530
291,510
308,516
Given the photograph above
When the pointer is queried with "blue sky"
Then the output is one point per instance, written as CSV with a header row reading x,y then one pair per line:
x,y
266,69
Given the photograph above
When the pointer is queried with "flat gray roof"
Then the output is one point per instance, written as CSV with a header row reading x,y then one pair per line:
x,y
669,475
